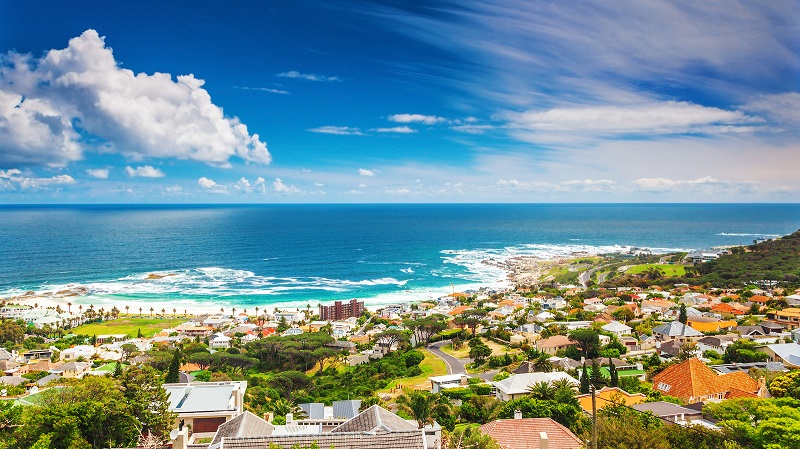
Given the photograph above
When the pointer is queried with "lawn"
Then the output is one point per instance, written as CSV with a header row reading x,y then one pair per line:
x,y
669,270
107,368
431,365
128,326
463,353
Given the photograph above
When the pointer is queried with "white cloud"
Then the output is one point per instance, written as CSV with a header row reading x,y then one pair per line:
x,y
591,185
365,172
339,130
319,184
211,186
401,191
706,184
244,185
137,115
145,171
396,129
417,118
782,108
14,178
174,190
264,89
473,129
667,117
280,187
307,76
99,173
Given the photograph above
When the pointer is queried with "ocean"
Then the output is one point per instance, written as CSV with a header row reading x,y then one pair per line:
x,y
208,257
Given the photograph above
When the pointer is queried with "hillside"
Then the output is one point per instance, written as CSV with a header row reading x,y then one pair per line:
x,y
771,260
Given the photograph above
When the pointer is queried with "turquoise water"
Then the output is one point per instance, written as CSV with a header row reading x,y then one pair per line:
x,y
299,254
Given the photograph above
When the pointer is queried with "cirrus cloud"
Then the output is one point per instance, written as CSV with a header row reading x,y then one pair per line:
x,y
417,118
338,130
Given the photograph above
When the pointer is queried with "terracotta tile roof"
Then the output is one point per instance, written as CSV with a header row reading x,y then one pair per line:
x,y
692,380
458,310
607,396
759,299
524,433
556,341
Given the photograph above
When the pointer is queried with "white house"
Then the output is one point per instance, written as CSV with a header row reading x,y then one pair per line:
x,y
439,383
219,341
85,351
516,385
617,328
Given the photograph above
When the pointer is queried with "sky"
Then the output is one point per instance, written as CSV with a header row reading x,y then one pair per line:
x,y
399,102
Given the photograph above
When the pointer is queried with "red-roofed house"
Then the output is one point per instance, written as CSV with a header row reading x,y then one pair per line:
x,y
528,433
692,381
726,308
458,310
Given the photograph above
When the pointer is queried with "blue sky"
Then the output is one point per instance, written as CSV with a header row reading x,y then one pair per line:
x,y
382,101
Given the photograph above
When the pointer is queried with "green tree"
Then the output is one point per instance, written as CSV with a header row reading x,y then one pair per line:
x,y
743,351
787,385
468,438
479,352
584,380
596,377
149,401
588,341
613,374
423,406
542,363
682,316
173,374
542,390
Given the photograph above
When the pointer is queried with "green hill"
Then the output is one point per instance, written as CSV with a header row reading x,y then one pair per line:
x,y
772,260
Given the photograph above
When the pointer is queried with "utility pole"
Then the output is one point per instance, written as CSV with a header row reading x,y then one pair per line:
x,y
594,417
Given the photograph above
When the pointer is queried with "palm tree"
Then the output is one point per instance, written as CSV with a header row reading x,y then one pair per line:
x,y
69,307
173,312
423,406
126,310
283,406
258,321
542,390
163,311
140,311
151,312
542,364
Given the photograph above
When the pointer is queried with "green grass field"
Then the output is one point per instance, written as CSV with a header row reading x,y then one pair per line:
x,y
128,326
430,365
669,270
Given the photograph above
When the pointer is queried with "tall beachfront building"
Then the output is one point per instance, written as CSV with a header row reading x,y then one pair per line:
x,y
340,310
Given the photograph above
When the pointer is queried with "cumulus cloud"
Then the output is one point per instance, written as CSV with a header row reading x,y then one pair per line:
x,y
99,173
244,185
396,129
365,172
339,130
145,171
48,103
14,179
307,76
280,187
417,118
669,117
211,186
706,184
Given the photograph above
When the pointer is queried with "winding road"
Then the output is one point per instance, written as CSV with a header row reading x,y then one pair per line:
x,y
455,365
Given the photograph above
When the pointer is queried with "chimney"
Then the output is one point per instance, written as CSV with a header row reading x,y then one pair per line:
x,y
268,417
289,418
543,440
762,387
517,414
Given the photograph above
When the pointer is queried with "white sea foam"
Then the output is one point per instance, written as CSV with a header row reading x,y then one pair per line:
x,y
733,234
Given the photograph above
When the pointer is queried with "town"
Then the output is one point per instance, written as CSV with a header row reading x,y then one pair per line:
x,y
634,353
